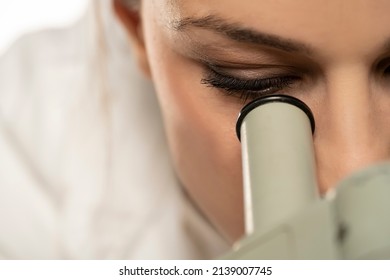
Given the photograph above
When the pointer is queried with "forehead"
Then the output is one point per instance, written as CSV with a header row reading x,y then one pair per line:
x,y
363,24
276,12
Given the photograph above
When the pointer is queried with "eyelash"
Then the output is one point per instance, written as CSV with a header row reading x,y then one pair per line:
x,y
247,89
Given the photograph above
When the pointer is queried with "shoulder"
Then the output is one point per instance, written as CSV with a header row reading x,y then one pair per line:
x,y
35,62
39,77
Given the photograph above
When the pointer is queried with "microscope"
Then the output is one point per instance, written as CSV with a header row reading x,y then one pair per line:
x,y
285,216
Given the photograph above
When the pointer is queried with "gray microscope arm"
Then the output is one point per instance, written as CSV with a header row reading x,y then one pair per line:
x,y
284,215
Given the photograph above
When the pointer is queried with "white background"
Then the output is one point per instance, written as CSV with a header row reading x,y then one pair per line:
x,y
21,16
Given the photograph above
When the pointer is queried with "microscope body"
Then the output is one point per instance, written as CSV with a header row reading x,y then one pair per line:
x,y
285,216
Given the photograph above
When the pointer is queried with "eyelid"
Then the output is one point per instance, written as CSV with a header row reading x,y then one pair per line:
x,y
213,73
252,72
247,89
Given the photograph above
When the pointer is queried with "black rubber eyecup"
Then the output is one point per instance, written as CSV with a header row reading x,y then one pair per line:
x,y
270,99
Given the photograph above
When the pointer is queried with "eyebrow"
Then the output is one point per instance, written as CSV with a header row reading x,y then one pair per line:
x,y
239,33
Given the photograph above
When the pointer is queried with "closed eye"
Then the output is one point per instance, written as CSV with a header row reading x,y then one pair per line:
x,y
247,89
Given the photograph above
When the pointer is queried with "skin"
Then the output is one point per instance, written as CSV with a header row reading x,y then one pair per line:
x,y
343,74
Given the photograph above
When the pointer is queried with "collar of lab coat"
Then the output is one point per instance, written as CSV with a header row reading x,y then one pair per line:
x,y
81,133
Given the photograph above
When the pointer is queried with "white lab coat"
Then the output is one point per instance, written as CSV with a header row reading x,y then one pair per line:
x,y
84,167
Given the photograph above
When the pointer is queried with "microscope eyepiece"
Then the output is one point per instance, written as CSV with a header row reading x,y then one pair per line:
x,y
276,135
270,99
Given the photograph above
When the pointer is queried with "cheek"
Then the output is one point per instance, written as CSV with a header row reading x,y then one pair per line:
x,y
200,123
200,126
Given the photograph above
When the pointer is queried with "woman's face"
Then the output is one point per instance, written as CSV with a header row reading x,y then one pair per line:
x,y
209,57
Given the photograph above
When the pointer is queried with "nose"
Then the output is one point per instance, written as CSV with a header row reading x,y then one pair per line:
x,y
352,127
